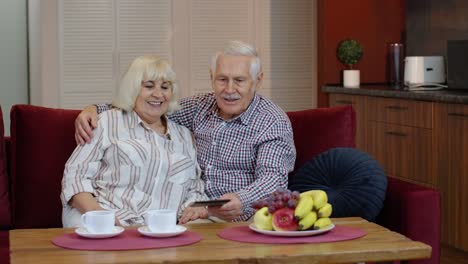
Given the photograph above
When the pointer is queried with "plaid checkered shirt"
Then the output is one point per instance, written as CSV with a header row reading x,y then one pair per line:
x,y
250,155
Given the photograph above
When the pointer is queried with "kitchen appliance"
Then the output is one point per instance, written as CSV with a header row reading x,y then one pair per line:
x,y
457,64
424,72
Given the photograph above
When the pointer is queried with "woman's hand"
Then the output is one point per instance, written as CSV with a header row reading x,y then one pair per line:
x,y
85,202
84,125
193,213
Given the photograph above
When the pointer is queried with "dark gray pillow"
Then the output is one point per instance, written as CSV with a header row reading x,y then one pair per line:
x,y
353,180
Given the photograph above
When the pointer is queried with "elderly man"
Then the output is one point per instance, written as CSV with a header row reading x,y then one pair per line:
x,y
244,141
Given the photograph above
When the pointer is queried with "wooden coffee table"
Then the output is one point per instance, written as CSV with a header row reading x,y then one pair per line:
x,y
380,244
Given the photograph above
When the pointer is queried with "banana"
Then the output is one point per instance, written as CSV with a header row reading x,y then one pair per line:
x,y
320,197
322,223
308,220
303,207
305,193
325,211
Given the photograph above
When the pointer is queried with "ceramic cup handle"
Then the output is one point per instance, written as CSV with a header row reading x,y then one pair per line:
x,y
83,221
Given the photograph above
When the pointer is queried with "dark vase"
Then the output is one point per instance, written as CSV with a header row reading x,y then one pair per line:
x,y
395,63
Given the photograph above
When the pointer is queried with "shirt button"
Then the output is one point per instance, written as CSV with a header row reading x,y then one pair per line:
x,y
213,143
209,167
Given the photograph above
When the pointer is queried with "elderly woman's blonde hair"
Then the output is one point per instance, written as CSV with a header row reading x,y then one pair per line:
x,y
145,68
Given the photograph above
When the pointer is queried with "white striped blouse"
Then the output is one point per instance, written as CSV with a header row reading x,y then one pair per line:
x,y
130,169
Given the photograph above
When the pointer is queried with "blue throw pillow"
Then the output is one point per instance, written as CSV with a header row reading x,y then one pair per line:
x,y
354,181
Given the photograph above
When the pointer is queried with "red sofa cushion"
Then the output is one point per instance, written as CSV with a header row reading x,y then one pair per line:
x,y
406,200
4,196
4,247
321,129
42,139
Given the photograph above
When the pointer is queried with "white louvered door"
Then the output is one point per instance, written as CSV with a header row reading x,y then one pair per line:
x,y
97,39
143,27
287,40
212,24
86,58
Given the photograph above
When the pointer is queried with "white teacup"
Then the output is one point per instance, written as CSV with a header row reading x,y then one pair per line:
x,y
99,222
161,220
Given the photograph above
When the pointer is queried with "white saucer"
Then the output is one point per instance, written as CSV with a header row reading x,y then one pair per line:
x,y
144,230
81,231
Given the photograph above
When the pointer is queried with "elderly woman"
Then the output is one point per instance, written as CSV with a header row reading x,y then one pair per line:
x,y
138,159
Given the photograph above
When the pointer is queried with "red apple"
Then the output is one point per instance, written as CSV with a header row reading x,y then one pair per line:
x,y
284,220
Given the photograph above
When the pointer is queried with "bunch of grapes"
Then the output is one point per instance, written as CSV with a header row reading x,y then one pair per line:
x,y
278,199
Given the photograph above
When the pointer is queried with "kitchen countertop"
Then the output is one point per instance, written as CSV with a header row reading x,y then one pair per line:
x,y
383,90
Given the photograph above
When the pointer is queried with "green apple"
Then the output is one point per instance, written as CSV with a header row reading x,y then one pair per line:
x,y
263,219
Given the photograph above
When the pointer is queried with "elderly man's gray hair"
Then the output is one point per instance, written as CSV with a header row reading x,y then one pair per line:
x,y
239,48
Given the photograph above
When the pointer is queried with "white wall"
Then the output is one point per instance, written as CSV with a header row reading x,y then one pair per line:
x,y
13,56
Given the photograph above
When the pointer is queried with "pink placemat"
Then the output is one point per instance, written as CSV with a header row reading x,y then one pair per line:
x,y
129,240
245,234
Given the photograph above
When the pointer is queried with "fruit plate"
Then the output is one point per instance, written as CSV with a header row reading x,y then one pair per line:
x,y
292,233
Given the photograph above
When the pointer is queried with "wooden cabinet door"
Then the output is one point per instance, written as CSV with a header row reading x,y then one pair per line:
x,y
401,112
358,103
451,131
403,151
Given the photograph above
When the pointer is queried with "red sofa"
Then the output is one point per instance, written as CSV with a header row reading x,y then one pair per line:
x,y
43,138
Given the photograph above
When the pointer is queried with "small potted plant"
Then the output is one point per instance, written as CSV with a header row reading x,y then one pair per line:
x,y
349,52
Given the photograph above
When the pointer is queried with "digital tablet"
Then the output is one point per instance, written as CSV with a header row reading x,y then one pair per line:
x,y
209,203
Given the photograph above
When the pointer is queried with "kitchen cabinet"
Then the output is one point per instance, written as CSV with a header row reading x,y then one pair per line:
x,y
396,132
400,138
358,104
421,138
401,112
403,151
451,130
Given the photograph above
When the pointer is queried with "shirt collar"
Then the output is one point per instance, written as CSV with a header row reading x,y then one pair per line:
x,y
134,120
243,118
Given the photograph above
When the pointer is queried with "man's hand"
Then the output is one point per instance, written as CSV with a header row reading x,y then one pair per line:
x,y
230,210
84,125
193,213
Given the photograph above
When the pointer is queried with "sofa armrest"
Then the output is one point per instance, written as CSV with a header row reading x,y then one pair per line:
x,y
4,247
413,211
8,153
